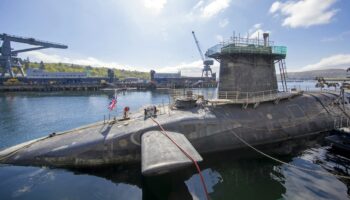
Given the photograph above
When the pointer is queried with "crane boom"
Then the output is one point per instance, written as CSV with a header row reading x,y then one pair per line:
x,y
8,56
206,62
32,41
198,47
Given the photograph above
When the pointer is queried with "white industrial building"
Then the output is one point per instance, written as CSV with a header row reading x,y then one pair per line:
x,y
39,73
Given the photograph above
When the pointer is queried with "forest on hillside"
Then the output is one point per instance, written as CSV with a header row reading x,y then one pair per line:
x,y
90,71
311,75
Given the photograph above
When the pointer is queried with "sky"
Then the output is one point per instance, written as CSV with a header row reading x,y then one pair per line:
x,y
156,34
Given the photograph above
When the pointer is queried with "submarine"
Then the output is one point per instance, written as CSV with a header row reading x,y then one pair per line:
x,y
248,105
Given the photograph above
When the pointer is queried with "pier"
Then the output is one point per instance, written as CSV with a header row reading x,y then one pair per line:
x,y
48,87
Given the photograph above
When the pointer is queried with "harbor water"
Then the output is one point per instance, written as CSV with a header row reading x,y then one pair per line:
x,y
230,175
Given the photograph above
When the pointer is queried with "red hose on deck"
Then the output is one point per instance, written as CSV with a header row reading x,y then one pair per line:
x,y
187,155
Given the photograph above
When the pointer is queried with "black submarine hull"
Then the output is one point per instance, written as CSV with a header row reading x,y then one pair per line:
x,y
208,128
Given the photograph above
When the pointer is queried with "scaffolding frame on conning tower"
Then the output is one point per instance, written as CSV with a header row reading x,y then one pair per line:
x,y
239,45
247,46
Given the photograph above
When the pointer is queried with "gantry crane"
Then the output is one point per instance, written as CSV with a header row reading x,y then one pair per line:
x,y
8,56
206,62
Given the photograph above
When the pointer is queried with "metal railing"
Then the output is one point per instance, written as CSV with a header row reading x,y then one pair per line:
x,y
279,50
243,41
235,96
246,49
238,96
341,122
246,45
196,92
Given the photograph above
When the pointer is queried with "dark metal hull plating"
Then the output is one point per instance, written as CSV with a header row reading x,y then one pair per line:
x,y
208,128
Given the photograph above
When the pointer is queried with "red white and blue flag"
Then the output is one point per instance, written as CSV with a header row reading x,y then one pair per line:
x,y
113,103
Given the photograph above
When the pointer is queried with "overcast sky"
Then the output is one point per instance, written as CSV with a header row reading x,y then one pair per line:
x,y
156,34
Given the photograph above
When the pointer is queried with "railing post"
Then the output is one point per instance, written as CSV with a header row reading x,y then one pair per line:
x,y
270,94
341,122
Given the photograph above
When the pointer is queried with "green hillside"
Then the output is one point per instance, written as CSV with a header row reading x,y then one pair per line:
x,y
91,71
310,75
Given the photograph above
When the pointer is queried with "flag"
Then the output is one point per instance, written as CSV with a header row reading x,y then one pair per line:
x,y
113,103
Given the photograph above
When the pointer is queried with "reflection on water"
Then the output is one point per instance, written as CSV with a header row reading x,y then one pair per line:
x,y
196,190
229,175
44,183
306,185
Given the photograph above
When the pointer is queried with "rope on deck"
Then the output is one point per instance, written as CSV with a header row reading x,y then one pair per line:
x,y
285,163
186,154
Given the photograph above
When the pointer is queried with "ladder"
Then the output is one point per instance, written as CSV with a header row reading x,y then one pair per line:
x,y
283,73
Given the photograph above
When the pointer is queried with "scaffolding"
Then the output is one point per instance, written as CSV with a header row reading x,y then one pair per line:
x,y
238,45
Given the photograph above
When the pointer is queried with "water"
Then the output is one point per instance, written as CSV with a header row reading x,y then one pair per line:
x,y
231,175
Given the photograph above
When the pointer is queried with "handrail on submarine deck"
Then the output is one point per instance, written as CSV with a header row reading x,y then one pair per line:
x,y
238,97
341,122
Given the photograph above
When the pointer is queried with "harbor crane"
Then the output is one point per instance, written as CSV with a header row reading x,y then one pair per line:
x,y
8,56
206,62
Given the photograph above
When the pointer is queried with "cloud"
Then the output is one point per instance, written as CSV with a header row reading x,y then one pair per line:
x,y
215,7
340,37
256,31
181,66
189,68
156,6
208,10
257,26
223,23
198,5
339,61
275,7
219,38
304,13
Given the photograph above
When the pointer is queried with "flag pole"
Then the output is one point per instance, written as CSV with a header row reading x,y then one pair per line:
x,y
116,105
112,105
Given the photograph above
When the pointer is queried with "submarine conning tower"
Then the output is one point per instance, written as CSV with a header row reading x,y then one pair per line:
x,y
247,67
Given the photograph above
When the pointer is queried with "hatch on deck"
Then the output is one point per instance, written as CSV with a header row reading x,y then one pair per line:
x,y
160,155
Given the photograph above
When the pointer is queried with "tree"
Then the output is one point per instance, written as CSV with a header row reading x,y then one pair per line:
x,y
42,66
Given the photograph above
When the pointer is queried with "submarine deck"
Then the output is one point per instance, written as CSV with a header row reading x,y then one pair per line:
x,y
97,136
207,128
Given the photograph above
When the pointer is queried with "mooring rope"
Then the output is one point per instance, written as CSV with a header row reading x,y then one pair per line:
x,y
285,163
186,154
